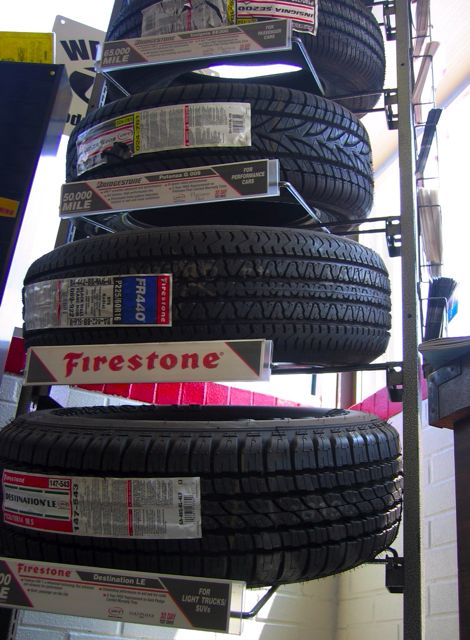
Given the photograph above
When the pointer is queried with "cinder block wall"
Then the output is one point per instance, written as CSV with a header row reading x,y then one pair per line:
x,y
9,394
366,611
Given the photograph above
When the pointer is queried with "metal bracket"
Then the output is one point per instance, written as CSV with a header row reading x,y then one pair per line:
x,y
394,571
8,623
391,226
434,380
393,237
245,615
311,368
300,200
394,376
35,398
389,12
391,108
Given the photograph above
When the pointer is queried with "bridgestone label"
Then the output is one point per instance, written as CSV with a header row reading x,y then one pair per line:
x,y
304,14
269,35
157,508
99,301
238,180
185,126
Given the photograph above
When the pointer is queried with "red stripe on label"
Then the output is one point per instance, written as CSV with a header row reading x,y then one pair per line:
x,y
164,300
186,125
30,480
33,522
130,523
297,5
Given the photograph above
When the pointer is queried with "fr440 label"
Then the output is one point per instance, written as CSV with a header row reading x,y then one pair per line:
x,y
161,508
99,301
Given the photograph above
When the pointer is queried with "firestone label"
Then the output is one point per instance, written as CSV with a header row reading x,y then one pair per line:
x,y
77,360
150,362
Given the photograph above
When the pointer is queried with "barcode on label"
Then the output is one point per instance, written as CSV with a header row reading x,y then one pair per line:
x,y
188,509
63,301
160,530
148,22
236,123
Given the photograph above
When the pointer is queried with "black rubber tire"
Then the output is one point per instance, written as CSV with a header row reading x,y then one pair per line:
x,y
319,297
347,52
324,150
287,494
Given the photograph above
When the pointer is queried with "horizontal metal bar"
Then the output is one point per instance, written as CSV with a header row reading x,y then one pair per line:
x,y
258,606
291,368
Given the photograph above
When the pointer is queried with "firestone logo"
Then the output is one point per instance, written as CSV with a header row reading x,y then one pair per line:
x,y
78,361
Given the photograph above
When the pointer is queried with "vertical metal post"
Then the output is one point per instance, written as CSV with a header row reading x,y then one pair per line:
x,y
413,603
8,623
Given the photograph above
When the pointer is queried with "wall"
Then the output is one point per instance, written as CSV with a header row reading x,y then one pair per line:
x,y
10,388
366,611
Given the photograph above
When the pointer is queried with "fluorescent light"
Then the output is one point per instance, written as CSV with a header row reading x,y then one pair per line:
x,y
247,71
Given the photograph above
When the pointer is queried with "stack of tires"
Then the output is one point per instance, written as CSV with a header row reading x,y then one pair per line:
x,y
287,494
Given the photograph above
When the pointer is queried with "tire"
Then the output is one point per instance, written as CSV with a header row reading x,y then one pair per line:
x,y
319,297
287,494
324,150
347,52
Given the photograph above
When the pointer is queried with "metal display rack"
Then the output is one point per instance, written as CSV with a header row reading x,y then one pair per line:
x,y
413,603
401,233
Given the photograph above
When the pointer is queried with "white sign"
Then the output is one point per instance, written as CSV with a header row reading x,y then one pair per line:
x,y
77,48
229,360
193,185
272,35
122,596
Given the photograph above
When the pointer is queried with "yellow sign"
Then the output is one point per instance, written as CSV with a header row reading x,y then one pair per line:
x,y
8,208
16,46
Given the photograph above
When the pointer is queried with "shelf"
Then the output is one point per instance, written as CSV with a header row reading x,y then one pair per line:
x,y
180,187
203,361
195,185
171,601
393,371
256,43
